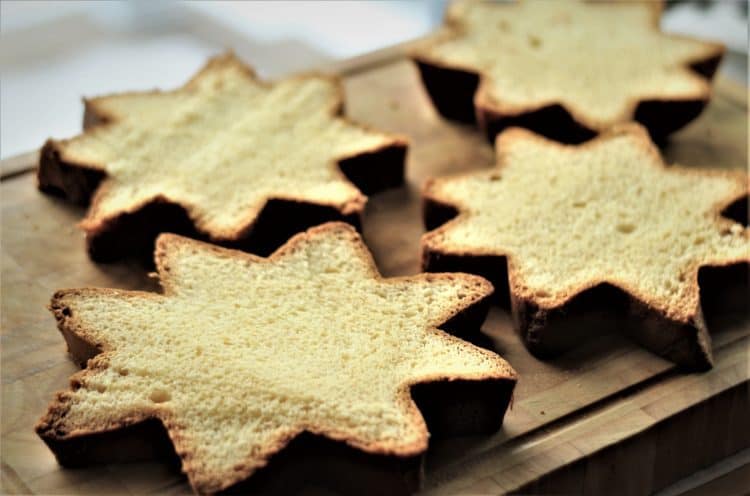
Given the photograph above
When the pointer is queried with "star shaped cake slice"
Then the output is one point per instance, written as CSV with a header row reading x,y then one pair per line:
x,y
226,157
242,354
570,221
567,69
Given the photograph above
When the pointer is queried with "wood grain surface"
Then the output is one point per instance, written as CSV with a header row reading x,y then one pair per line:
x,y
607,416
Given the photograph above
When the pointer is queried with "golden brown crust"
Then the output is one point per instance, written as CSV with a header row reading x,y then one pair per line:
x,y
460,93
482,403
86,182
682,338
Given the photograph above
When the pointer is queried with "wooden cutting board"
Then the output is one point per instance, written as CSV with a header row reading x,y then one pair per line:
x,y
608,416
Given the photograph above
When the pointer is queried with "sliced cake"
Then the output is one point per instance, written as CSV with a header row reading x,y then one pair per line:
x,y
567,69
603,218
227,158
241,355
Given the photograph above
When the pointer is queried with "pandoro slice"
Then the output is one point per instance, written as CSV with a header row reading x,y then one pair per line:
x,y
226,157
241,355
604,225
567,69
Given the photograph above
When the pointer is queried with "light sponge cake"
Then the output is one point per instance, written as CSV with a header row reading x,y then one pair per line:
x,y
241,354
568,219
567,69
209,158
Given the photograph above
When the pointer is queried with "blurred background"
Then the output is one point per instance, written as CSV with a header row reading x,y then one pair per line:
x,y
53,53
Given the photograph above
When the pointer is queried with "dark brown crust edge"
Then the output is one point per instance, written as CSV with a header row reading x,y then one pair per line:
x,y
547,333
450,408
452,93
56,177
